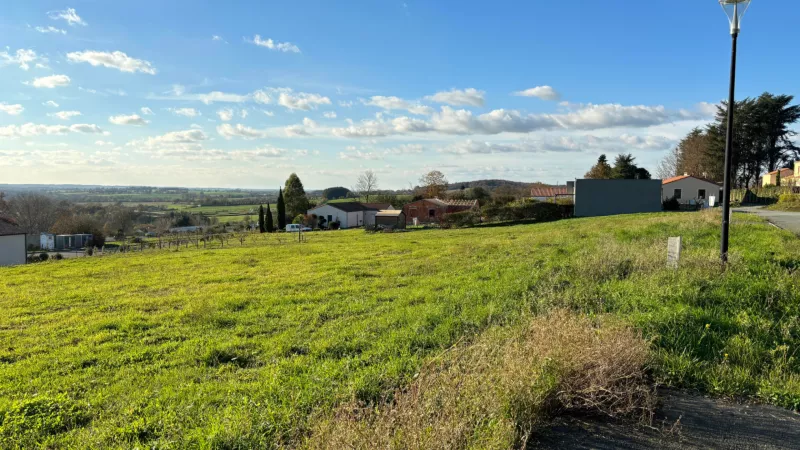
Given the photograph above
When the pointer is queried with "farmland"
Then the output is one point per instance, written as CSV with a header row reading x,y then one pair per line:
x,y
251,345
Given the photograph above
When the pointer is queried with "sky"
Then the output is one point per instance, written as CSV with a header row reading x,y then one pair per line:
x,y
242,93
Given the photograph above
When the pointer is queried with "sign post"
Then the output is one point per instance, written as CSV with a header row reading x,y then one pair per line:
x,y
673,252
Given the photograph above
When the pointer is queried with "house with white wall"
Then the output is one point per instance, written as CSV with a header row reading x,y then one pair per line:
x,y
12,243
687,188
349,214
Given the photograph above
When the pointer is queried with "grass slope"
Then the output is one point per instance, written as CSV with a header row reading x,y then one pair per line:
x,y
242,346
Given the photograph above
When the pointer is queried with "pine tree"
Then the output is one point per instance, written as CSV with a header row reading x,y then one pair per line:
x,y
261,218
601,170
268,220
281,211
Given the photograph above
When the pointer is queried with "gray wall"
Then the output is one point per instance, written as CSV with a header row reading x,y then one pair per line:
x,y
610,197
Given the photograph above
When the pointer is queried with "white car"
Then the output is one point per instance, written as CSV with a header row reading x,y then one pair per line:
x,y
296,228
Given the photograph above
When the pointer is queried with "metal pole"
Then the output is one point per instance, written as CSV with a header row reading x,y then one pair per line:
x,y
726,201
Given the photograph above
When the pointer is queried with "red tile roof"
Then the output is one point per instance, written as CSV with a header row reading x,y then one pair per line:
x,y
683,177
549,191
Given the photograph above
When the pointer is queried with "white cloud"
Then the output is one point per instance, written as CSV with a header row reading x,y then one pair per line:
x,y
345,104
405,149
359,155
268,113
22,57
178,141
295,131
221,97
133,119
50,82
649,142
33,129
218,38
262,97
587,117
273,45
50,29
226,115
541,92
103,143
115,60
243,114
396,103
707,109
178,89
117,92
302,100
91,91
229,131
69,15
65,115
51,104
329,115
147,111
185,112
468,97
13,110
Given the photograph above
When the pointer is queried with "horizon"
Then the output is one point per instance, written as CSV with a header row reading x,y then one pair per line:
x,y
239,96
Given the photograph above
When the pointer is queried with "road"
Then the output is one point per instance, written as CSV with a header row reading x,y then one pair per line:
x,y
784,219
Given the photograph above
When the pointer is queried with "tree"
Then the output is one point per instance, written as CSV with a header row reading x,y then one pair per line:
x,y
775,116
434,183
334,193
295,196
268,226
692,153
366,184
668,167
80,224
601,170
281,211
261,224
33,212
624,168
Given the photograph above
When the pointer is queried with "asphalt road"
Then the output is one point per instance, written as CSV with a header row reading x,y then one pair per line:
x,y
783,219
684,421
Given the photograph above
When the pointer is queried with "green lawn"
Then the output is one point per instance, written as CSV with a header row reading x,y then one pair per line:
x,y
243,346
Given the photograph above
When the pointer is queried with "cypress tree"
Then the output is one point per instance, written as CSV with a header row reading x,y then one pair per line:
x,y
261,218
268,220
281,211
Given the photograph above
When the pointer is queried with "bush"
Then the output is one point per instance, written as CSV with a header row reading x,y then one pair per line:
x,y
335,225
58,256
536,211
461,219
44,257
789,198
300,218
671,204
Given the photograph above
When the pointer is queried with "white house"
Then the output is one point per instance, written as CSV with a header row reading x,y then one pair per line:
x,y
349,214
687,188
12,243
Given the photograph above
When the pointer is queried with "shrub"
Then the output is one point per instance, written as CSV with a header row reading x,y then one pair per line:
x,y
44,256
462,219
671,204
536,211
300,218
789,198
335,225
58,256
492,393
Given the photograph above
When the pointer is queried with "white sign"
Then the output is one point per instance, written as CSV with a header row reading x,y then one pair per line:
x,y
673,252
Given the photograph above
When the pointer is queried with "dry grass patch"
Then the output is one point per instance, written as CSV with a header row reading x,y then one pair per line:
x,y
494,392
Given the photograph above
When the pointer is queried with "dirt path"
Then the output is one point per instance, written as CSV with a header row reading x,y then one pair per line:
x,y
685,421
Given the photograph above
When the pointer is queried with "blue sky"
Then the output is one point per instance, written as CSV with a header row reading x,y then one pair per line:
x,y
242,93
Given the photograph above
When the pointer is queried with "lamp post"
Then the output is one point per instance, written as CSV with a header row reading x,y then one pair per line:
x,y
735,10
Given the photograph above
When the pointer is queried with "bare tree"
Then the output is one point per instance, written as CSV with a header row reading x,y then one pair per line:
x,y
668,167
435,184
34,212
366,184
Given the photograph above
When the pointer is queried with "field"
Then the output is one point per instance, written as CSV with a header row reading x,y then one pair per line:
x,y
254,345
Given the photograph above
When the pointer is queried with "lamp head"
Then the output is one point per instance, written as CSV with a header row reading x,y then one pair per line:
x,y
735,10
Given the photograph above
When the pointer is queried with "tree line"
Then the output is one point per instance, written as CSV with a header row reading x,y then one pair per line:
x,y
762,142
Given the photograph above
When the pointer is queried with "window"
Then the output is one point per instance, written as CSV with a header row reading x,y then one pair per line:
x,y
330,218
431,213
677,194
701,194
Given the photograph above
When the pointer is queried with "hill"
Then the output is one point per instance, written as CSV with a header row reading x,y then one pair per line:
x,y
260,345
490,184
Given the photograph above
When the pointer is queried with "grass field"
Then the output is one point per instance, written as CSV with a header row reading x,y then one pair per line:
x,y
251,346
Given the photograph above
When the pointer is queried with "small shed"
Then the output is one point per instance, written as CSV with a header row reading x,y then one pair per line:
x,y
391,219
12,243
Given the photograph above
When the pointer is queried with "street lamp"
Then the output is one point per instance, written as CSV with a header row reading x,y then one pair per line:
x,y
735,10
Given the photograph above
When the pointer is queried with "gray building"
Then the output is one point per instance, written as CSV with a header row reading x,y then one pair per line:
x,y
611,197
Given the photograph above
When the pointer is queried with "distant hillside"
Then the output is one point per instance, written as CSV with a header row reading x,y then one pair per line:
x,y
490,184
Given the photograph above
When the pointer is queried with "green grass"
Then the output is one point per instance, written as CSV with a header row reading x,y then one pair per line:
x,y
245,346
